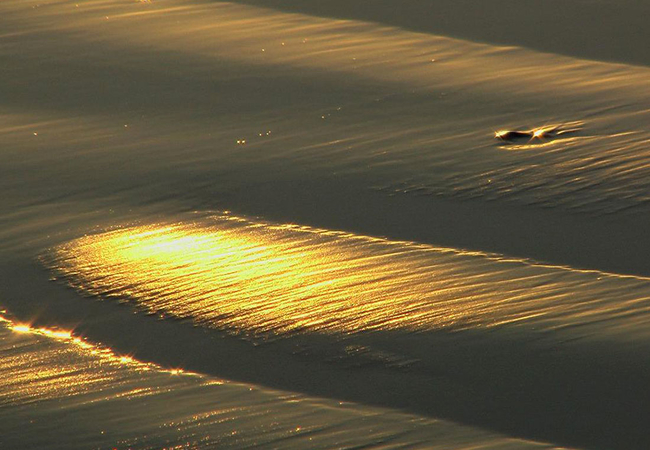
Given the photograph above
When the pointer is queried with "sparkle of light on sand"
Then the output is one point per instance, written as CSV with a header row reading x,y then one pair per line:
x,y
58,394
68,337
256,277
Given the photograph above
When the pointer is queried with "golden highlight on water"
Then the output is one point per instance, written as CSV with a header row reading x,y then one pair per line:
x,y
261,278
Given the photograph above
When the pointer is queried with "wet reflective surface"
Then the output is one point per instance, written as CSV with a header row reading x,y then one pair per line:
x,y
61,392
509,291
254,277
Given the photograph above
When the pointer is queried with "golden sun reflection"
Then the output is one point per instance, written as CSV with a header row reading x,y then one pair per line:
x,y
253,277
53,389
80,344
50,332
21,328
547,132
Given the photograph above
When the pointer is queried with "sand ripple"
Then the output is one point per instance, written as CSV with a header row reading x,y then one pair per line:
x,y
260,278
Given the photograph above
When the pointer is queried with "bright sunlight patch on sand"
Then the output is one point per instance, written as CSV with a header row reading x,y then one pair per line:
x,y
255,277
58,394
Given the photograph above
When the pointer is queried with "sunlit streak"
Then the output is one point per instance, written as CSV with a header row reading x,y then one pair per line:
x,y
21,329
79,343
267,279
52,388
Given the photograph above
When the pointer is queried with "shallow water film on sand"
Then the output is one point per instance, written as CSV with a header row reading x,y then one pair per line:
x,y
342,224
271,280
96,398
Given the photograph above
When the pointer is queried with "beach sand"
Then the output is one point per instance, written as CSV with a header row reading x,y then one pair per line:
x,y
433,213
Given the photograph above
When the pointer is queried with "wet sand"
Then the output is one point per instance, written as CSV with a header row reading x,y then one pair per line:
x,y
311,200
